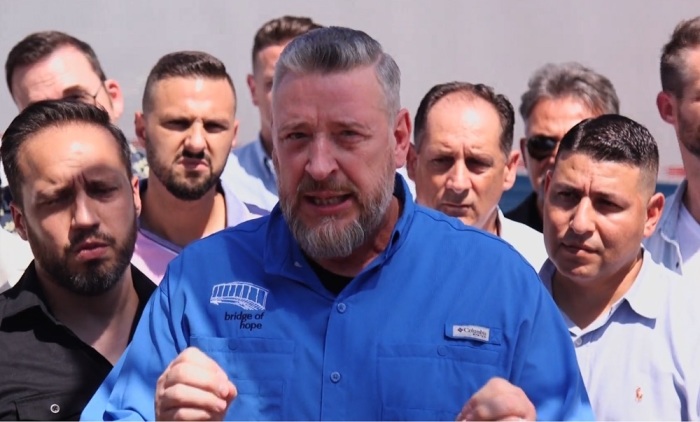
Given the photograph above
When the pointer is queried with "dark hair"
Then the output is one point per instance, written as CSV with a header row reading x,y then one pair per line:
x,y
674,74
469,91
616,138
278,31
553,81
46,114
185,64
336,49
39,45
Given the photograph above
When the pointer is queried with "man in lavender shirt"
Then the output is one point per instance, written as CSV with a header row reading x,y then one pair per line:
x,y
187,125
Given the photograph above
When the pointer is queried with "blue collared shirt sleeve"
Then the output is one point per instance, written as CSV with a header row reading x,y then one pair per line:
x,y
128,393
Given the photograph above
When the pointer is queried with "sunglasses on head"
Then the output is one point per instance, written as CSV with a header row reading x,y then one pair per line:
x,y
541,146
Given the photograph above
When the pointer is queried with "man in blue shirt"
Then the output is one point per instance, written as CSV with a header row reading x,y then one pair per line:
x,y
349,301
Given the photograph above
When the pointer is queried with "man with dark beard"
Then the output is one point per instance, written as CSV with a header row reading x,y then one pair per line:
x,y
188,124
676,241
349,302
72,313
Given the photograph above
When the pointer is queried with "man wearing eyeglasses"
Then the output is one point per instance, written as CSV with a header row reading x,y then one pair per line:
x,y
54,65
558,97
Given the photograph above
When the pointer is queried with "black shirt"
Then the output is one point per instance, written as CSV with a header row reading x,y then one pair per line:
x,y
334,283
46,371
527,213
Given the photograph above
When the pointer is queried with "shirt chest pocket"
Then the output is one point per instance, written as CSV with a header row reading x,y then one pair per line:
x,y
57,406
433,381
260,368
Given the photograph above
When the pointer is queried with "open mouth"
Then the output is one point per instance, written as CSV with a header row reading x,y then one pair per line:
x,y
327,201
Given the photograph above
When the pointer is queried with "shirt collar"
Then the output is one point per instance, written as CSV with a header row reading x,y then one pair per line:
x,y
236,212
642,297
262,157
669,219
283,255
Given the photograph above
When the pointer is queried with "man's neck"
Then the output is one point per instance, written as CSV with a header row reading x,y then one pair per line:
x,y
584,302
266,140
691,198
181,222
104,321
352,265
493,224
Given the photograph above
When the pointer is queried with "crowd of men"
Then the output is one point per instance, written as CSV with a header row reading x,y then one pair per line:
x,y
297,277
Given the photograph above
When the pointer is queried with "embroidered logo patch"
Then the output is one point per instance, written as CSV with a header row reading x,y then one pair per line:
x,y
245,295
473,332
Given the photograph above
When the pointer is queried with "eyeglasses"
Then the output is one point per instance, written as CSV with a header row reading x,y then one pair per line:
x,y
541,146
84,97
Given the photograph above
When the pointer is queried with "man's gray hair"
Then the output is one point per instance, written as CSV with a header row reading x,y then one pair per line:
x,y
554,81
335,49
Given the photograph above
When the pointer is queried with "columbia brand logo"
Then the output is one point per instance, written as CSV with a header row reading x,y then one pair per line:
x,y
473,332
245,295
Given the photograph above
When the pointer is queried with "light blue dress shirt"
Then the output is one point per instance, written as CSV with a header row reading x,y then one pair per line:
x,y
663,244
443,309
641,360
251,175
256,163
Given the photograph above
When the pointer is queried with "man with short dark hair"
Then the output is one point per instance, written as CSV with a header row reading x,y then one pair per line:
x,y
629,317
71,315
461,161
558,97
676,242
249,167
187,125
321,310
54,65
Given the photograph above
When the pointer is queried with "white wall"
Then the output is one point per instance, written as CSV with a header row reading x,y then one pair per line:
x,y
498,42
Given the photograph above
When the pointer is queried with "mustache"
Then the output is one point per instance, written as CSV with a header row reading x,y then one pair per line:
x,y
80,237
202,155
308,184
455,198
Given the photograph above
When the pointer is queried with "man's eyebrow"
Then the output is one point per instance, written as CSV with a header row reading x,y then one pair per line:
x,y
74,88
53,192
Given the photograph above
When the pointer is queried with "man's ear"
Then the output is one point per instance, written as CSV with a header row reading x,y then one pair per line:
x,y
667,103
402,135
137,195
547,182
114,92
140,129
252,87
234,140
511,170
655,208
412,162
523,150
18,219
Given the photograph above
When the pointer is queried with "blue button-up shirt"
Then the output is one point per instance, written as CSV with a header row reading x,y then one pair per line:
x,y
429,321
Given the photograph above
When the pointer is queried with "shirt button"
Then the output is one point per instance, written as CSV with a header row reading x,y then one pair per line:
x,y
55,408
335,376
341,307
578,341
